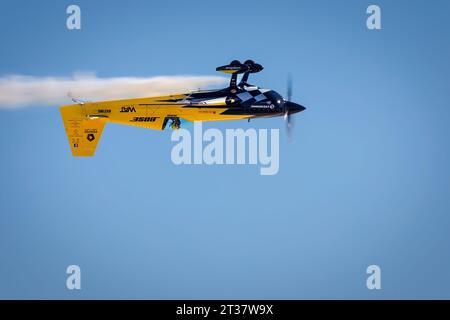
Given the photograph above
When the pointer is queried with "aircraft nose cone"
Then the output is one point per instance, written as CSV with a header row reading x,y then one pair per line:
x,y
294,107
300,108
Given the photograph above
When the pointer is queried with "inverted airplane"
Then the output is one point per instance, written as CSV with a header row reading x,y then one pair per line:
x,y
84,121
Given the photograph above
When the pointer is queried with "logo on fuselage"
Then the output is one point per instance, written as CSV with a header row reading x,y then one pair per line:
x,y
127,109
144,119
263,106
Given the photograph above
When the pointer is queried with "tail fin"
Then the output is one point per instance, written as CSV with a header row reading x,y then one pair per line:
x,y
83,133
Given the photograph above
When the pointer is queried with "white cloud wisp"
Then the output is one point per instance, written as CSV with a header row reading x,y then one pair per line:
x,y
24,91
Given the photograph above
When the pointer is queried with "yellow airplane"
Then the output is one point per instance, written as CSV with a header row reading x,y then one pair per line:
x,y
84,122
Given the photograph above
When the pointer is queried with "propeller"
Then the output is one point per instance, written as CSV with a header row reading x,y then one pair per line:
x,y
287,114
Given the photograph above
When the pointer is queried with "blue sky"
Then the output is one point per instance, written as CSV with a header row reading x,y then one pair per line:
x,y
365,181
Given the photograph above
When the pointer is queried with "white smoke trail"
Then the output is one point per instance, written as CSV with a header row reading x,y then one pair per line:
x,y
22,91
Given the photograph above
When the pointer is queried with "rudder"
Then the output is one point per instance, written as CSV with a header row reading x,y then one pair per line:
x,y
83,133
